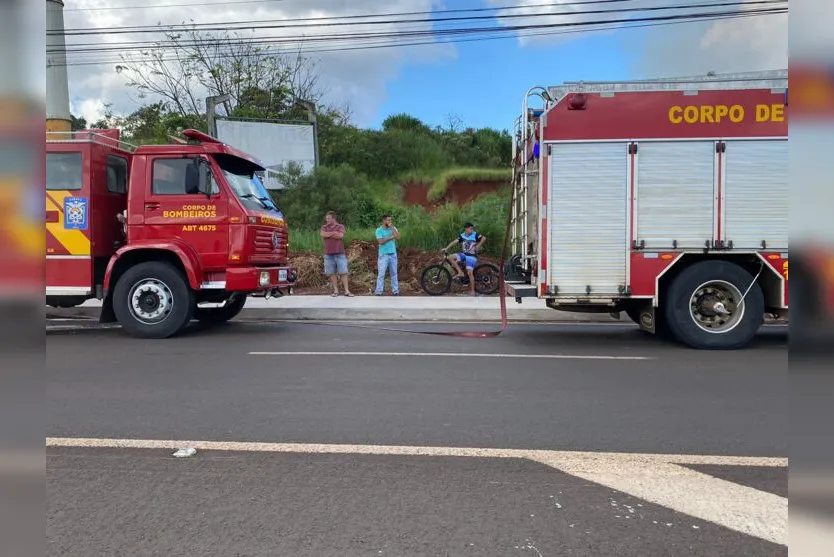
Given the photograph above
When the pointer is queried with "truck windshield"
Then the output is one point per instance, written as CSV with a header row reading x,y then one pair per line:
x,y
240,174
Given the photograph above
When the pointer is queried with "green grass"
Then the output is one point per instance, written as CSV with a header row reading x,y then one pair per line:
x,y
423,238
440,185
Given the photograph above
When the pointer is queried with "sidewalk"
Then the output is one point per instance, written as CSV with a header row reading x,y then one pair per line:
x,y
383,308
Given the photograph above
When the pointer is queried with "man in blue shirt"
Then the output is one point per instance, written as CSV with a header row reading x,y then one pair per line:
x,y
387,236
470,242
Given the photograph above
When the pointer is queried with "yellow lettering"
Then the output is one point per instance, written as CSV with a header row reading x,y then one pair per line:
x,y
785,269
711,114
189,228
192,212
777,112
762,113
271,220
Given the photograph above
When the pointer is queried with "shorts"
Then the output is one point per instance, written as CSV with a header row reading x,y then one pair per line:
x,y
470,260
335,264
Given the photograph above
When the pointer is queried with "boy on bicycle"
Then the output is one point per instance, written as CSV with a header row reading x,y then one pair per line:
x,y
470,242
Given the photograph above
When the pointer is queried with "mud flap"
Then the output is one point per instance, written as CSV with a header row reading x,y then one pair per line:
x,y
107,313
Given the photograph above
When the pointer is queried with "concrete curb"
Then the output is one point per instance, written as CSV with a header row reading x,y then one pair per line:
x,y
487,315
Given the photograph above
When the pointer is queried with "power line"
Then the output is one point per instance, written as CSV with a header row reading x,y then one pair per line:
x,y
425,12
333,20
364,37
529,31
228,27
163,6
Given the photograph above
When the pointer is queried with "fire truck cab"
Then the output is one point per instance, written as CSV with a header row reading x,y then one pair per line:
x,y
666,200
157,232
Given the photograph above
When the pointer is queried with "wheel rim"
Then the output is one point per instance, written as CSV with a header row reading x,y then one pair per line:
x,y
436,281
486,281
151,301
716,306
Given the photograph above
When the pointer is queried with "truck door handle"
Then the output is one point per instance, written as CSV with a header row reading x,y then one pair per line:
x,y
152,206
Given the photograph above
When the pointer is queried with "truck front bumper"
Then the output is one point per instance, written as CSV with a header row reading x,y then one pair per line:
x,y
260,279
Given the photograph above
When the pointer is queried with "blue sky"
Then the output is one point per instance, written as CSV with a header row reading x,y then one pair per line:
x,y
486,80
480,82
484,83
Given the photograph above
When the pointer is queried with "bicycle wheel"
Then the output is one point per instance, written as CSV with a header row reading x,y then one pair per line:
x,y
487,279
436,280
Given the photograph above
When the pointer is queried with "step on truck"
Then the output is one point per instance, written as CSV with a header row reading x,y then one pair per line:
x,y
666,200
161,234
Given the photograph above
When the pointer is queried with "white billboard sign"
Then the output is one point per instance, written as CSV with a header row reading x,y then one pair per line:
x,y
274,144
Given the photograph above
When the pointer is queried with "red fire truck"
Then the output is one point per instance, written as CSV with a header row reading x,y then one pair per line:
x,y
663,199
157,232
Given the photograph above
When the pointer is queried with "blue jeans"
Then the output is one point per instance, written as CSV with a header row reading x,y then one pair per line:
x,y
387,262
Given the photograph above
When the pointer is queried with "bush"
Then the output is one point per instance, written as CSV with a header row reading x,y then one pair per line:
x,y
340,189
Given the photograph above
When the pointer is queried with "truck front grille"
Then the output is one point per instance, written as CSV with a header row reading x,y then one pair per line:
x,y
264,245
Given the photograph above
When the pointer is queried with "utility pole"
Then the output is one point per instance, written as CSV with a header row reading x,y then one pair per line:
x,y
211,103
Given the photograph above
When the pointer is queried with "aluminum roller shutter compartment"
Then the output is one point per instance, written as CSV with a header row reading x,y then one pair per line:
x,y
587,200
676,193
756,194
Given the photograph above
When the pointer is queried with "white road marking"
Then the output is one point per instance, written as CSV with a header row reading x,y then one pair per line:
x,y
457,355
741,508
657,478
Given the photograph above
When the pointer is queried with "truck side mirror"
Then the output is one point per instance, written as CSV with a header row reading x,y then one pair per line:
x,y
204,177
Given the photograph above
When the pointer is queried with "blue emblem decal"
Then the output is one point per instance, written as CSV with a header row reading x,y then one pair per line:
x,y
75,213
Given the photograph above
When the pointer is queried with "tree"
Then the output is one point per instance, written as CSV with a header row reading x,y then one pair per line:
x,y
78,123
191,64
152,123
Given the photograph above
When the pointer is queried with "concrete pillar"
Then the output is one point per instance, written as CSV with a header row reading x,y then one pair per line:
x,y
58,117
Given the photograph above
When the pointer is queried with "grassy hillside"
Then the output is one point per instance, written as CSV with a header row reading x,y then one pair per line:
x,y
439,182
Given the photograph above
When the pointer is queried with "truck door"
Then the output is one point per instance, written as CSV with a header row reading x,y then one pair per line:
x,y
174,208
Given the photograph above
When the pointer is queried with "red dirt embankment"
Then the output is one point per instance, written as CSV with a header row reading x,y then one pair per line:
x,y
459,192
362,264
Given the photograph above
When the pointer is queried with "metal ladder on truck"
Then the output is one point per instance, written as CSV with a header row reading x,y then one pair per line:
x,y
526,164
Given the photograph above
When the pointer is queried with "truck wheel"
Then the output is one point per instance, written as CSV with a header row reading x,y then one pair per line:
x,y
153,300
221,314
704,307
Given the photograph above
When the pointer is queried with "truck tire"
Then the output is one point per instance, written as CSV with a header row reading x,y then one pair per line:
x,y
212,316
153,300
694,303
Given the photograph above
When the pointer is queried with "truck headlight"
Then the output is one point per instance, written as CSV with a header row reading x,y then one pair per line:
x,y
264,280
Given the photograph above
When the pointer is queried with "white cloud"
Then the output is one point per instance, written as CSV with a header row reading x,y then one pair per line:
x,y
660,49
735,45
358,77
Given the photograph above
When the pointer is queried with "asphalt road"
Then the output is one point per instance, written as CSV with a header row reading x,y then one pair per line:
x,y
597,388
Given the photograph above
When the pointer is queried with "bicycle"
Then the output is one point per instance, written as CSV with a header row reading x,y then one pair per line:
x,y
436,279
